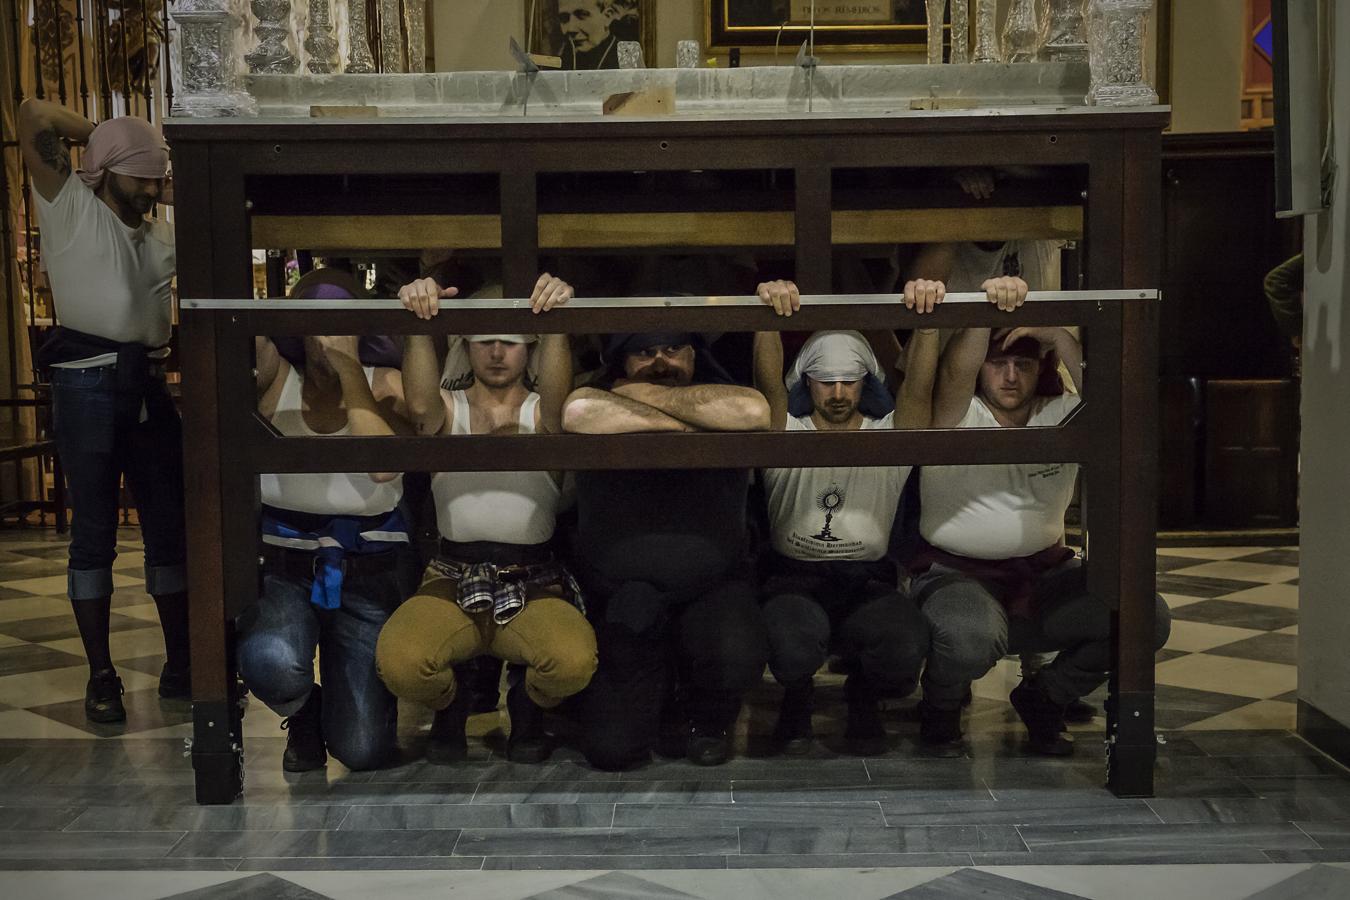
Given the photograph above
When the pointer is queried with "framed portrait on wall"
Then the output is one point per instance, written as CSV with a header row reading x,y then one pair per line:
x,y
886,25
585,34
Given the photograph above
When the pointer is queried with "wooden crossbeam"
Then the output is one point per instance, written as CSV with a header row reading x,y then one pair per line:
x,y
577,231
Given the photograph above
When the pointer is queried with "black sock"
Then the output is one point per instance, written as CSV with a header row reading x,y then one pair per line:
x,y
92,618
173,618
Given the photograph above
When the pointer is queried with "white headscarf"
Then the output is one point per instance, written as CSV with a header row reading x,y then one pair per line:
x,y
834,356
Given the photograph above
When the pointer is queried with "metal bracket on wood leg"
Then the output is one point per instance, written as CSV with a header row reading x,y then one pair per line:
x,y
217,752
1131,746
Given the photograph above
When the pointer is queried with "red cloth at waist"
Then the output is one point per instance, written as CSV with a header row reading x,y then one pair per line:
x,y
1016,577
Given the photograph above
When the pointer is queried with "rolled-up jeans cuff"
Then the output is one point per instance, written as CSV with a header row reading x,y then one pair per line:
x,y
161,580
89,584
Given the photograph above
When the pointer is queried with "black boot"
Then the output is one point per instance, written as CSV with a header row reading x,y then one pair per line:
x,y
305,750
529,742
103,698
1080,713
175,684
447,742
708,746
940,731
794,734
1047,735
864,735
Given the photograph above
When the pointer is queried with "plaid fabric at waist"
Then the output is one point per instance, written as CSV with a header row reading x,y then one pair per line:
x,y
504,588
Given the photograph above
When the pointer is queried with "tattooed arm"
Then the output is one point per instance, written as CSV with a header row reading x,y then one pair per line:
x,y
44,129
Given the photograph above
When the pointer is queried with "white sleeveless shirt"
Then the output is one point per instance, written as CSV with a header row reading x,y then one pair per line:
x,y
998,511
352,494
861,504
505,507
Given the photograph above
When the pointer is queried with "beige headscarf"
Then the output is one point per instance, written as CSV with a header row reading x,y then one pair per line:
x,y
125,145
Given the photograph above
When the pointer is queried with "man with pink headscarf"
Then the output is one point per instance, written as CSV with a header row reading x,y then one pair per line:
x,y
110,270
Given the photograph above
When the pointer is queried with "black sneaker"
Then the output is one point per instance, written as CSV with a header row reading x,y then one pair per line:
x,y
103,698
708,747
175,684
794,734
1080,713
864,735
305,750
1047,735
940,731
529,742
447,742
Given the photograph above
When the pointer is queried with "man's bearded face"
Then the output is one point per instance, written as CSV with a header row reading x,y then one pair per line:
x,y
835,402
671,365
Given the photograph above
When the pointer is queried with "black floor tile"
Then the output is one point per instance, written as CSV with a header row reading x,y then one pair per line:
x,y
474,815
353,863
1329,835
1272,558
1167,563
1046,812
1340,854
610,886
146,711
1237,614
1151,857
642,815
210,818
119,864
975,883
33,658
596,842
921,839
551,863
249,844
58,628
55,818
1251,811
1251,743
1164,838
850,860
1198,586
1274,648
88,844
252,886
1177,707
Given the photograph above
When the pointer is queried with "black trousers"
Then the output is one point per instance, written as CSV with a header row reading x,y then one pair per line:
x,y
851,608
709,650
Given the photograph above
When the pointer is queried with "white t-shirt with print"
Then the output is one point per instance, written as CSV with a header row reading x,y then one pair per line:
x,y
999,511
838,513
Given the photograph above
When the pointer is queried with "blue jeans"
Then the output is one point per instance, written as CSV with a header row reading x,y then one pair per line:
x,y
277,641
100,438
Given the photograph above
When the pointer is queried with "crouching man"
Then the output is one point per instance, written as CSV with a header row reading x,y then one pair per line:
x,y
827,582
495,587
664,559
994,575
333,546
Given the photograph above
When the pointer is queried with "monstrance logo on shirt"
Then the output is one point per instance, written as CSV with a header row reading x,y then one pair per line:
x,y
830,501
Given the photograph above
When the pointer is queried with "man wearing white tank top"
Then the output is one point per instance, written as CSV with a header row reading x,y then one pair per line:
x,y
993,575
335,548
111,271
826,582
494,587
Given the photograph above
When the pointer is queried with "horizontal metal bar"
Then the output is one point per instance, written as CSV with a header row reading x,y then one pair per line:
x,y
616,303
262,451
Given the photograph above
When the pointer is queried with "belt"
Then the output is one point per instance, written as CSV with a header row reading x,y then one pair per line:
x,y
301,563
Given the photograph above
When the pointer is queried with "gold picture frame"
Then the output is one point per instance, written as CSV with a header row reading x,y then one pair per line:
x,y
888,26
595,27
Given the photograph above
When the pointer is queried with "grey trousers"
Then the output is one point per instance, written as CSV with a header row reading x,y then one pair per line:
x,y
971,631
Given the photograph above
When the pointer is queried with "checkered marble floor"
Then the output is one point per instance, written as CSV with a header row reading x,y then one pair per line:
x,y
1230,663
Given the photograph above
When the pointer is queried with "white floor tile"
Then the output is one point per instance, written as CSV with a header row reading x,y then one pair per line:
x,y
1226,675
124,644
1208,552
146,611
1262,714
1241,571
21,608
1292,629
1195,636
60,685
1284,596
7,641
1178,600
24,725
